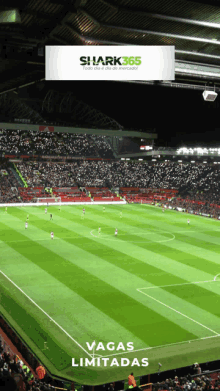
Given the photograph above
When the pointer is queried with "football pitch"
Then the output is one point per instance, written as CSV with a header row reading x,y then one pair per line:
x,y
157,285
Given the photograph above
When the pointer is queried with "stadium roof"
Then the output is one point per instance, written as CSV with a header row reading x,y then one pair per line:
x,y
192,26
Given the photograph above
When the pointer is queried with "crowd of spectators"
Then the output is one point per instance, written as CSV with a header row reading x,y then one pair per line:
x,y
19,142
15,374
197,382
207,196
8,185
48,174
197,182
188,383
164,175
191,180
183,177
208,209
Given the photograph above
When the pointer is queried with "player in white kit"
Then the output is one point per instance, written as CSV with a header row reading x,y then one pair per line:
x,y
188,221
116,232
45,211
26,225
51,234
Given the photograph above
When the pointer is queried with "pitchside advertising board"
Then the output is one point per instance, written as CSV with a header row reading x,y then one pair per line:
x,y
110,63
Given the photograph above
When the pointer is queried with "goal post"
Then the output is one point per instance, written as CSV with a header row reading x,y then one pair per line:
x,y
49,200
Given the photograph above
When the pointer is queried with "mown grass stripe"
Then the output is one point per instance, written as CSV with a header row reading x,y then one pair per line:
x,y
102,295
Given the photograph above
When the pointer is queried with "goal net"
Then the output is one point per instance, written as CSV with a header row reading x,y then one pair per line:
x,y
49,200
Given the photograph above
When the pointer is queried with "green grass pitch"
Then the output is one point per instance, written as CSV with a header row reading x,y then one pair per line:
x,y
156,285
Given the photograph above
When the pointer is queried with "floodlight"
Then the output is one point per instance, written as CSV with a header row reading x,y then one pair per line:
x,y
209,96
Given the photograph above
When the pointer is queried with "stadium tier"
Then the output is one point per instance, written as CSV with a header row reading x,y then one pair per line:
x,y
8,185
18,142
194,187
183,177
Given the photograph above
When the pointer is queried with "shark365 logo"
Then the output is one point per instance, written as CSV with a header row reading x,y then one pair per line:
x,y
106,61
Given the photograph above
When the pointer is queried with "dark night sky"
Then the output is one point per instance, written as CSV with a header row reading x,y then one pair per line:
x,y
179,116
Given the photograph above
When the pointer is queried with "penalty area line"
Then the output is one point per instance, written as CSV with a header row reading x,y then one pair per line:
x,y
61,328
163,346
184,283
178,312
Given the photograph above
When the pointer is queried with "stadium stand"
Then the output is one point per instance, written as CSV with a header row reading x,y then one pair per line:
x,y
194,187
8,185
48,174
208,208
198,381
17,375
19,142
184,178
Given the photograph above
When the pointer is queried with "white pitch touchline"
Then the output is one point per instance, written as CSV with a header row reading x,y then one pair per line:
x,y
46,313
163,346
178,312
184,283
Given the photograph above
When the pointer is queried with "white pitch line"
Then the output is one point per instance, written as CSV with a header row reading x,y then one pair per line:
x,y
184,283
46,314
178,312
178,232
163,346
